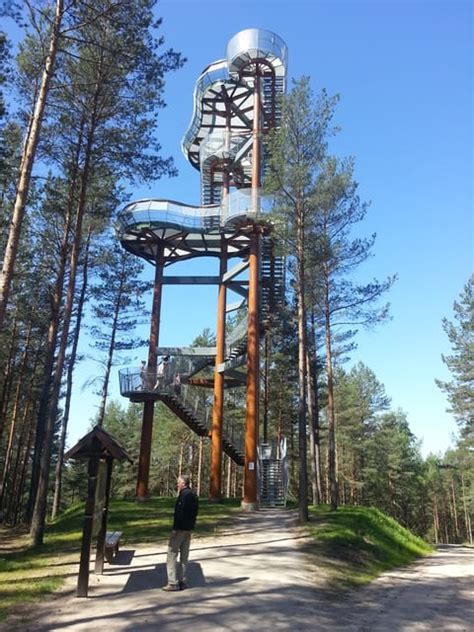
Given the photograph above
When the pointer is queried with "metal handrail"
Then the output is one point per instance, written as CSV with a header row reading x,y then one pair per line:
x,y
146,382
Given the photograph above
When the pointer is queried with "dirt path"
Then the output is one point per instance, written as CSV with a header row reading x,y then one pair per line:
x,y
255,578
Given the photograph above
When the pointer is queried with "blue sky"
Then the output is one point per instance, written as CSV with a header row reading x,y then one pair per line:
x,y
404,74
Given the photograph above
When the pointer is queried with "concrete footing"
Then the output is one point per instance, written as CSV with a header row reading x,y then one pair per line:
x,y
249,506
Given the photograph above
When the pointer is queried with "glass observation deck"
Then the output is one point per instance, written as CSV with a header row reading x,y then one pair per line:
x,y
189,230
219,143
231,80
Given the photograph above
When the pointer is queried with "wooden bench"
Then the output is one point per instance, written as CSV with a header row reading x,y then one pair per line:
x,y
111,545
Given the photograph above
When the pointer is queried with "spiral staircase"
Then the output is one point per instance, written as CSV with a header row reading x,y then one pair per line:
x,y
232,98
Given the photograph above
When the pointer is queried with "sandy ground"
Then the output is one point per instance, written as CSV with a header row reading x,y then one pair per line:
x,y
256,577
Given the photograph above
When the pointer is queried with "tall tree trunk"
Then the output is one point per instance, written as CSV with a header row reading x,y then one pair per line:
x,y
354,477
467,518
15,413
303,476
435,521
26,165
110,353
16,507
26,434
199,468
266,386
332,461
181,458
455,511
8,375
44,397
53,329
313,406
39,512
70,371
229,476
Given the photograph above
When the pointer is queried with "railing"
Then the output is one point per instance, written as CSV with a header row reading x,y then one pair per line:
x,y
245,203
222,144
238,205
151,383
167,378
236,335
272,453
242,48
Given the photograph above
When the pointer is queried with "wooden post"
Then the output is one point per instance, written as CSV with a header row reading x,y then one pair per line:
x,y
218,408
83,577
249,501
149,405
99,558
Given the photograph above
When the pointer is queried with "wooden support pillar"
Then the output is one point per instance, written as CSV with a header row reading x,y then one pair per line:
x,y
266,392
250,501
215,491
149,406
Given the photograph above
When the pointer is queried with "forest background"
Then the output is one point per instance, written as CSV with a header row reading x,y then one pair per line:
x,y
404,74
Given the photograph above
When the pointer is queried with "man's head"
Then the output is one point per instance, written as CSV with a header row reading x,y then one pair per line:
x,y
183,481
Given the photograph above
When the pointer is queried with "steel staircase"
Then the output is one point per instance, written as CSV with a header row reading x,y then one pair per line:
x,y
272,273
272,88
272,474
195,414
271,484
199,423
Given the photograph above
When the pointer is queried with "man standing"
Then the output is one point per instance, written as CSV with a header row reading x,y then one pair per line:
x,y
161,373
185,513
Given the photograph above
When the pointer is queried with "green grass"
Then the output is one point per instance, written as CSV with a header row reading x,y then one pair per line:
x,y
141,522
27,573
352,545
355,544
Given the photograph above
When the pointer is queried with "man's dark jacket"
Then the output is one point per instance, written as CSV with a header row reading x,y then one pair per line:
x,y
186,510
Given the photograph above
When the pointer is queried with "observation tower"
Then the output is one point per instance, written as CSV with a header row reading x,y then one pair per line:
x,y
236,101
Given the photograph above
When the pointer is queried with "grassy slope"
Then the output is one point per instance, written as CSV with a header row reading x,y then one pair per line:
x,y
353,544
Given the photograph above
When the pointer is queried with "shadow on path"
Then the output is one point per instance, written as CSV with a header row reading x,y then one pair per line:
x,y
257,577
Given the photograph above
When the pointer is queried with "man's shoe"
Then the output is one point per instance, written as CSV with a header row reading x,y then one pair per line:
x,y
171,587
183,585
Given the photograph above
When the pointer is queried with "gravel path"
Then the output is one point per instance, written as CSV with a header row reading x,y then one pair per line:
x,y
255,577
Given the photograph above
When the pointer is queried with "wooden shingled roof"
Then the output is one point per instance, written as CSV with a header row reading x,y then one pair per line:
x,y
100,443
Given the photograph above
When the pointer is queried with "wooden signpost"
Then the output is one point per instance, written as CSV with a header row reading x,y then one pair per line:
x,y
100,449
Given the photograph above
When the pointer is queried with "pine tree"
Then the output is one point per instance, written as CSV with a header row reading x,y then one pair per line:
x,y
342,302
360,401
29,154
296,152
4,74
460,390
108,87
117,308
392,470
316,207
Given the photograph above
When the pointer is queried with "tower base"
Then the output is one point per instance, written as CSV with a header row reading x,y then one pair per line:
x,y
247,507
